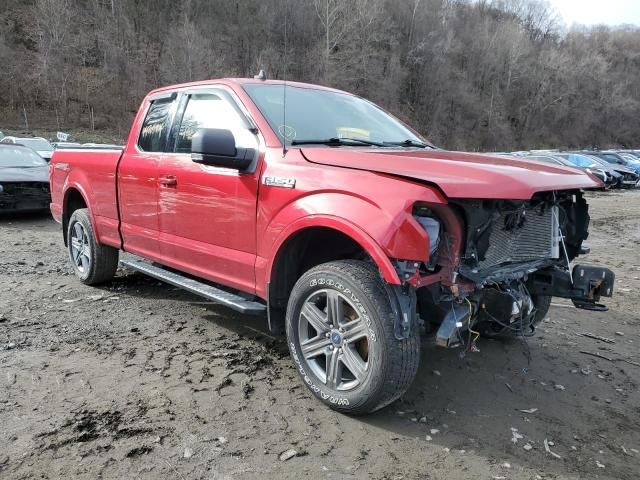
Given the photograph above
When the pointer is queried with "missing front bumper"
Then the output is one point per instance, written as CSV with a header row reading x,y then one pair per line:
x,y
589,284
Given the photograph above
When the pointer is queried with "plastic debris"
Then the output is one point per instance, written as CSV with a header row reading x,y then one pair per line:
x,y
288,454
548,450
515,436
529,410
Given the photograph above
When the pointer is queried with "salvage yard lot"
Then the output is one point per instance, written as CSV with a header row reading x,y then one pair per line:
x,y
138,379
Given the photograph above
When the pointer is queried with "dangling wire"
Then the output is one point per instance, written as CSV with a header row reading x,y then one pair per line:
x,y
472,343
564,246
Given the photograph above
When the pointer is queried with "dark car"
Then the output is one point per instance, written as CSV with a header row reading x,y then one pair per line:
x,y
629,178
24,180
633,159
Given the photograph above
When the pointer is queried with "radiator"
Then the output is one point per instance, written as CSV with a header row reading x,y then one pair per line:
x,y
528,236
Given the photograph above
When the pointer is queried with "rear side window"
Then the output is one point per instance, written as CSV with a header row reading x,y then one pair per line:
x,y
153,134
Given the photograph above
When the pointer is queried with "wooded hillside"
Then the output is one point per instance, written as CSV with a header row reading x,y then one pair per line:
x,y
483,75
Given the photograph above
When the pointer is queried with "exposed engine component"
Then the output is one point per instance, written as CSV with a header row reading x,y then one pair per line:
x,y
507,240
506,309
449,333
516,255
432,227
430,223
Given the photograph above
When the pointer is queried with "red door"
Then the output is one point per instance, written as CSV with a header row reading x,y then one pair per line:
x,y
138,180
207,214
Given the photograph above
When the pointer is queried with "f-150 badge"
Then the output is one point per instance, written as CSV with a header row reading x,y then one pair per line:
x,y
279,182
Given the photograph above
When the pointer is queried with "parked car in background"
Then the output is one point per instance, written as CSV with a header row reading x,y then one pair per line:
x,y
627,177
585,164
24,180
616,159
632,161
40,145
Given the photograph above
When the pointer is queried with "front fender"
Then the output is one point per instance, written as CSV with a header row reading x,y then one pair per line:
x,y
342,225
385,228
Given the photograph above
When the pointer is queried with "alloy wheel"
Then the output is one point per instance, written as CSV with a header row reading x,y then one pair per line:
x,y
334,340
80,248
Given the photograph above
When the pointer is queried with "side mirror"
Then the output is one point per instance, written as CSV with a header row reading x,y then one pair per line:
x,y
217,146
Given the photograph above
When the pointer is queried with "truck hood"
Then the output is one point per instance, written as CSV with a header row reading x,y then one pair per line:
x,y
459,174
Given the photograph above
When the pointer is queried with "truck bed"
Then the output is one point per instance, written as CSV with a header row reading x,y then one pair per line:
x,y
92,172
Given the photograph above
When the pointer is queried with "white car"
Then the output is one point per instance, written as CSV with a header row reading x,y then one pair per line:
x,y
39,144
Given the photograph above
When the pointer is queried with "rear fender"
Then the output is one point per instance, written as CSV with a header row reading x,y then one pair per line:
x,y
76,181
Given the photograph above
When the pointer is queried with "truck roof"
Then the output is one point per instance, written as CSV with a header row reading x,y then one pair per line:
x,y
243,81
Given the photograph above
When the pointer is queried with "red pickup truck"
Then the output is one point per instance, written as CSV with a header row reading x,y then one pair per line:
x,y
351,232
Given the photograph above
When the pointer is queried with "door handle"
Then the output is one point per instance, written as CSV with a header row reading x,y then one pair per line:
x,y
168,181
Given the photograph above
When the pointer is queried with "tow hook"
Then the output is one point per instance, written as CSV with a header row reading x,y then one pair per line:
x,y
584,286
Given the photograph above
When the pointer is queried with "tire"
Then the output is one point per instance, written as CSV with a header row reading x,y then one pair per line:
x,y
92,262
361,339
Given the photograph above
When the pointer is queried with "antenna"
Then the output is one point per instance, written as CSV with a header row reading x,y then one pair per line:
x,y
284,90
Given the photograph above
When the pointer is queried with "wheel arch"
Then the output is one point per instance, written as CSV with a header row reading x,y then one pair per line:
x,y
74,199
309,242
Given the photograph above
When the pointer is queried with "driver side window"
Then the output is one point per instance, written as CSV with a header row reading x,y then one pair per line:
x,y
211,110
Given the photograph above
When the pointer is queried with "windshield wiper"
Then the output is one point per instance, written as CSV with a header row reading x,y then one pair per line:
x,y
335,141
409,143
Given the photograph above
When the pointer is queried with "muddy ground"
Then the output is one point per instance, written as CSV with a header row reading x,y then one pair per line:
x,y
137,379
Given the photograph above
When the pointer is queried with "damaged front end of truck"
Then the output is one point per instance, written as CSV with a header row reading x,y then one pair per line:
x,y
494,265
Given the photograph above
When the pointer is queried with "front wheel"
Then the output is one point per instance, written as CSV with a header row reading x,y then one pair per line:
x,y
340,331
92,262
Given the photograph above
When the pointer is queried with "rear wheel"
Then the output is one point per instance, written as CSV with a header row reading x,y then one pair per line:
x,y
341,338
92,262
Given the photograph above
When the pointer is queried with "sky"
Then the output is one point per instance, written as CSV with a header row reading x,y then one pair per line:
x,y
590,12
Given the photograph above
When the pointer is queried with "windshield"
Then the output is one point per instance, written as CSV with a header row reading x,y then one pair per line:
x,y
601,162
15,156
541,158
629,158
611,158
578,160
318,115
35,143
